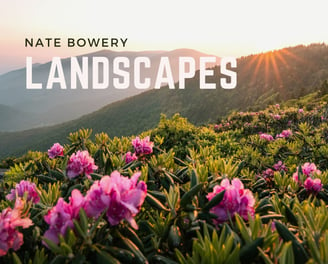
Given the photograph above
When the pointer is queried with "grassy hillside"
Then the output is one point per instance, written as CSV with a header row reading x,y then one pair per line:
x,y
262,79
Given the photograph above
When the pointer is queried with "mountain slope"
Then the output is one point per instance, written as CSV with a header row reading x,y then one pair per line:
x,y
53,106
11,117
262,79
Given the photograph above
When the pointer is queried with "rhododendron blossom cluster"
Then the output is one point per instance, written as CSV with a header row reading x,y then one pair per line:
x,y
120,197
55,151
10,219
129,157
308,169
265,136
236,200
79,164
24,187
313,185
285,134
310,184
280,166
61,216
277,117
142,146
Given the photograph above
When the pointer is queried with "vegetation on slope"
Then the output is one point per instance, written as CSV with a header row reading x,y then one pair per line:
x,y
252,188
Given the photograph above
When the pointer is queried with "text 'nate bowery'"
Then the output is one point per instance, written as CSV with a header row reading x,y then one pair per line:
x,y
76,42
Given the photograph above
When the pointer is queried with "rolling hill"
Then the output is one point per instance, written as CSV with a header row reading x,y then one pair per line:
x,y
263,79
45,107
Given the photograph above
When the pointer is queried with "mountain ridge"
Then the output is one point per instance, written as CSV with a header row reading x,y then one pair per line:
x,y
42,102
258,86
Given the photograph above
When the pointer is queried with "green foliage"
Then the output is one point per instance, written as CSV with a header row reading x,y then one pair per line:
x,y
212,249
177,221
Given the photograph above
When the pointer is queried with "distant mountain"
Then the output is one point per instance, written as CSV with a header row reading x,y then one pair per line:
x,y
47,107
263,79
13,118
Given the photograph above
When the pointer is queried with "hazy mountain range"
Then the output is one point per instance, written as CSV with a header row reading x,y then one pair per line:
x,y
263,79
22,109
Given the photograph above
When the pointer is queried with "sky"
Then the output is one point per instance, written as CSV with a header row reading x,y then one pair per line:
x,y
222,28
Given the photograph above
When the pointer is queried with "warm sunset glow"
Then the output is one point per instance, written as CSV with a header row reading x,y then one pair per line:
x,y
222,28
272,65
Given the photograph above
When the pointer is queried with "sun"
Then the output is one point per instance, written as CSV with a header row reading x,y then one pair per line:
x,y
271,64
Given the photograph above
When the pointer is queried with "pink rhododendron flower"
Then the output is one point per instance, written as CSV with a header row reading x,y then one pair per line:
x,y
310,184
80,163
59,219
317,185
268,173
10,219
61,216
278,106
236,200
313,185
142,146
309,169
266,137
129,157
24,187
55,151
277,117
300,110
285,134
121,196
279,166
96,198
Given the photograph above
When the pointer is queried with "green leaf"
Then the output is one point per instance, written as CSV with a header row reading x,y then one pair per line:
x,y
250,251
243,229
76,186
139,257
71,238
66,249
174,237
284,232
214,201
46,179
58,260
194,180
158,195
83,221
188,196
267,218
52,246
123,255
16,259
290,215
96,176
265,257
109,166
155,202
299,252
58,175
161,259
79,229
104,257
131,234
287,255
